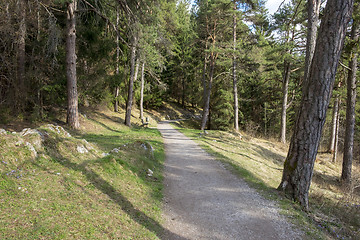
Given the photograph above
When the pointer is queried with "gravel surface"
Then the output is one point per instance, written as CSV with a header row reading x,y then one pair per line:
x,y
203,200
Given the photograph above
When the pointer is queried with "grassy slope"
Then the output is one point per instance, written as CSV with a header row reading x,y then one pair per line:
x,y
334,213
62,193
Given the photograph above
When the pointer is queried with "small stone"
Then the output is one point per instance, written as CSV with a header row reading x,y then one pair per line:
x,y
150,172
115,150
81,149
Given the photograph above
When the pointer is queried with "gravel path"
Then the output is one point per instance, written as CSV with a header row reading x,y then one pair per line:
x,y
203,200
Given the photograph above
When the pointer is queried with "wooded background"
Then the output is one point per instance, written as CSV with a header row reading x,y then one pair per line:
x,y
244,68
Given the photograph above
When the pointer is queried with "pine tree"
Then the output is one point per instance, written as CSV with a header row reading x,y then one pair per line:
x,y
299,163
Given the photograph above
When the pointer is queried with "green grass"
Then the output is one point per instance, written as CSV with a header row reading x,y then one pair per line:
x,y
64,194
260,162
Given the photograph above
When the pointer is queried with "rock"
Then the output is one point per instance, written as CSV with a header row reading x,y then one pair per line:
x,y
150,173
58,129
115,150
81,149
148,148
31,148
2,131
87,145
34,136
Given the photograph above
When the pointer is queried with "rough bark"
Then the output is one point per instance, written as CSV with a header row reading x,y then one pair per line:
x,y
131,84
299,163
236,101
142,92
350,108
334,125
313,22
72,110
20,86
285,90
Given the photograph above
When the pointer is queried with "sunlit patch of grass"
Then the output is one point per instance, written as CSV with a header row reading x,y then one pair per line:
x,y
333,213
64,194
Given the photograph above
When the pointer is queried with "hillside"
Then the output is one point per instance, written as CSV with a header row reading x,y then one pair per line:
x,y
92,184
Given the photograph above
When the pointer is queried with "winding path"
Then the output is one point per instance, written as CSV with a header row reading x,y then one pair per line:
x,y
203,200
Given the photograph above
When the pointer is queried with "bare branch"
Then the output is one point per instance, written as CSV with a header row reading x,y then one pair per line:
x,y
344,66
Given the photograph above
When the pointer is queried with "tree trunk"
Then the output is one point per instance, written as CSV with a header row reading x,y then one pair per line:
x,y
337,128
285,90
350,108
236,101
142,92
208,94
131,84
299,163
204,76
136,74
313,22
334,125
20,88
183,92
38,22
116,93
72,110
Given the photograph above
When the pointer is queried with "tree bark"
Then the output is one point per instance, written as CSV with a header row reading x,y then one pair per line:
x,y
350,108
72,110
313,22
299,163
20,88
337,128
334,125
236,101
116,92
285,90
208,94
131,84
142,92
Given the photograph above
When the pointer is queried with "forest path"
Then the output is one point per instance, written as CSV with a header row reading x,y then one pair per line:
x,y
203,200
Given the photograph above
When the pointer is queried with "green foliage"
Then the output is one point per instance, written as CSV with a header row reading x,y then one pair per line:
x,y
222,113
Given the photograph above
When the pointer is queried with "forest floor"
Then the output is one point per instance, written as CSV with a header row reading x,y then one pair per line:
x,y
204,200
